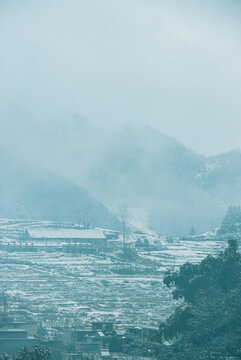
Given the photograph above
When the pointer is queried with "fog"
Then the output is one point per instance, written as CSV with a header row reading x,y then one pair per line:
x,y
169,64
124,99
120,179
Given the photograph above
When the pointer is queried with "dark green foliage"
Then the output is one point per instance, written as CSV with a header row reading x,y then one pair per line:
x,y
209,322
142,243
222,271
192,231
5,357
232,221
134,346
37,353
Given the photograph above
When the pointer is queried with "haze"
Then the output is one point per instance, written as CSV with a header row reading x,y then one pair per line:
x,y
170,64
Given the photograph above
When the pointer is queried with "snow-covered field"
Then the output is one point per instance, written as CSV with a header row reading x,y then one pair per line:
x,y
61,289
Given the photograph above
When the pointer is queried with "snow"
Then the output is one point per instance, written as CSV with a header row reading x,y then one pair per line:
x,y
66,234
80,288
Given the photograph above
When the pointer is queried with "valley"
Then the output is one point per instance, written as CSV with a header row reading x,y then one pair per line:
x,y
65,289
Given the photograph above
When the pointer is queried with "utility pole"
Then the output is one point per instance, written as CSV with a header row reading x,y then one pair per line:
x,y
123,216
124,233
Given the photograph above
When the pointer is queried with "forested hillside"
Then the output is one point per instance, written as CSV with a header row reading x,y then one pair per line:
x,y
132,165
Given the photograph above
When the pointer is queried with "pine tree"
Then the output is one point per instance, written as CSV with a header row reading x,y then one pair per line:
x,y
232,221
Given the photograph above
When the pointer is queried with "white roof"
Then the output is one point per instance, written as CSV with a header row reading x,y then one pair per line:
x,y
12,330
66,234
105,352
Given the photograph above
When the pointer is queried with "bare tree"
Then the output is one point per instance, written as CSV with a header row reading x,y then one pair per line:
x,y
4,300
123,211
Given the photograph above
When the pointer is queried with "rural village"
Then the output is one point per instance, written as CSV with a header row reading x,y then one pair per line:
x,y
82,290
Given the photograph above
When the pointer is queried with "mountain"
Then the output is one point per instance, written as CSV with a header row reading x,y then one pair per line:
x,y
222,176
144,168
30,193
132,165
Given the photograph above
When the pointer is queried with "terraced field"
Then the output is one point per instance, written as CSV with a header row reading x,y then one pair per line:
x,y
61,289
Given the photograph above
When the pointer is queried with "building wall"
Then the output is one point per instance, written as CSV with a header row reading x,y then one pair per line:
x,y
92,347
30,327
13,334
68,337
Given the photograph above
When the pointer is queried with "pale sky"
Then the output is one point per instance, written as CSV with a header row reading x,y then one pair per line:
x,y
175,65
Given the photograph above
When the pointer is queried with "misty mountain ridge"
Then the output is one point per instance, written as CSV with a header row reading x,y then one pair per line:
x,y
136,166
27,192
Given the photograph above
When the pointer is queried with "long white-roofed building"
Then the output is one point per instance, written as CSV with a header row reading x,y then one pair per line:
x,y
60,236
